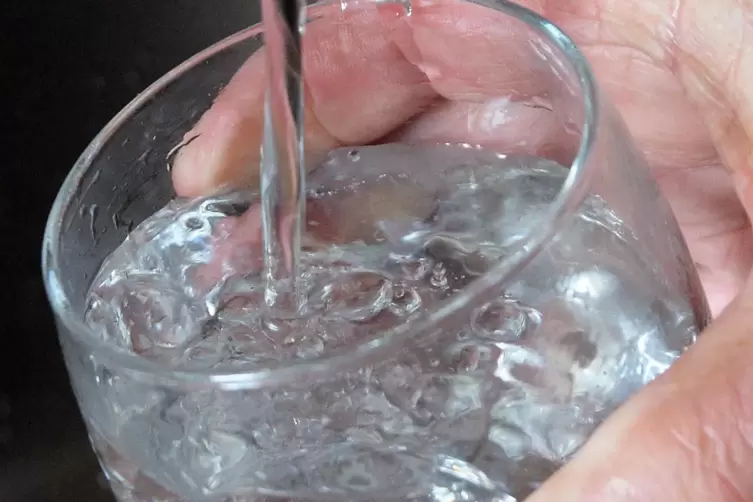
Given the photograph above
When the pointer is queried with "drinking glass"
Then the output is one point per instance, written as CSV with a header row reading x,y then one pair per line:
x,y
479,397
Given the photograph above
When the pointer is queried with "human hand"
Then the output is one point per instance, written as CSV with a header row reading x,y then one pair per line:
x,y
677,71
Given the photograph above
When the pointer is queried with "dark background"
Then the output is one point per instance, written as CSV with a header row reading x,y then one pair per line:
x,y
66,67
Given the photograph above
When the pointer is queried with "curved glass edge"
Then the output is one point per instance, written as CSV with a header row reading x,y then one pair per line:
x,y
559,213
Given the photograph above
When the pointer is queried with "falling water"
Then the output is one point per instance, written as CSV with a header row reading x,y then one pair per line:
x,y
282,166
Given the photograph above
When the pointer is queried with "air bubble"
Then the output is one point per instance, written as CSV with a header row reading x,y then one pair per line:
x,y
439,276
405,301
193,223
412,268
540,103
356,296
469,356
583,350
503,320
465,358
572,128
93,210
309,346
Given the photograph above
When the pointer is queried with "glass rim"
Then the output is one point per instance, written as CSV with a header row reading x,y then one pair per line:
x,y
559,212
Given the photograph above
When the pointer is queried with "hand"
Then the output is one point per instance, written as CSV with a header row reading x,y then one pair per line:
x,y
679,71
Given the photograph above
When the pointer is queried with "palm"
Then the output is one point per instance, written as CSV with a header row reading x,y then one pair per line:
x,y
684,160
692,177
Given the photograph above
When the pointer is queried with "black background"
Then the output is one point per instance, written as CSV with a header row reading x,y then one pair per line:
x,y
66,67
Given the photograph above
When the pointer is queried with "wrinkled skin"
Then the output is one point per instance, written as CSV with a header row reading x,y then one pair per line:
x,y
679,71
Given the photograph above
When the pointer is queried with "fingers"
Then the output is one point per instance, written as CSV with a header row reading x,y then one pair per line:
x,y
359,87
367,73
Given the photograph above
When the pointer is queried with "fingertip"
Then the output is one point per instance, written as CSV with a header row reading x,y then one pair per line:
x,y
222,152
187,179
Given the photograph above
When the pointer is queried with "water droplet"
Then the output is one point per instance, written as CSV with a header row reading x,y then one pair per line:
x,y
470,356
224,208
214,452
356,295
503,320
439,276
309,346
465,358
412,268
543,377
354,155
405,301
362,470
571,127
578,343
151,262
469,473
103,376
93,209
193,223
540,102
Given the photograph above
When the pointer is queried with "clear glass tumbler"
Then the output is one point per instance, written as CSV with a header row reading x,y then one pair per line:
x,y
479,397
